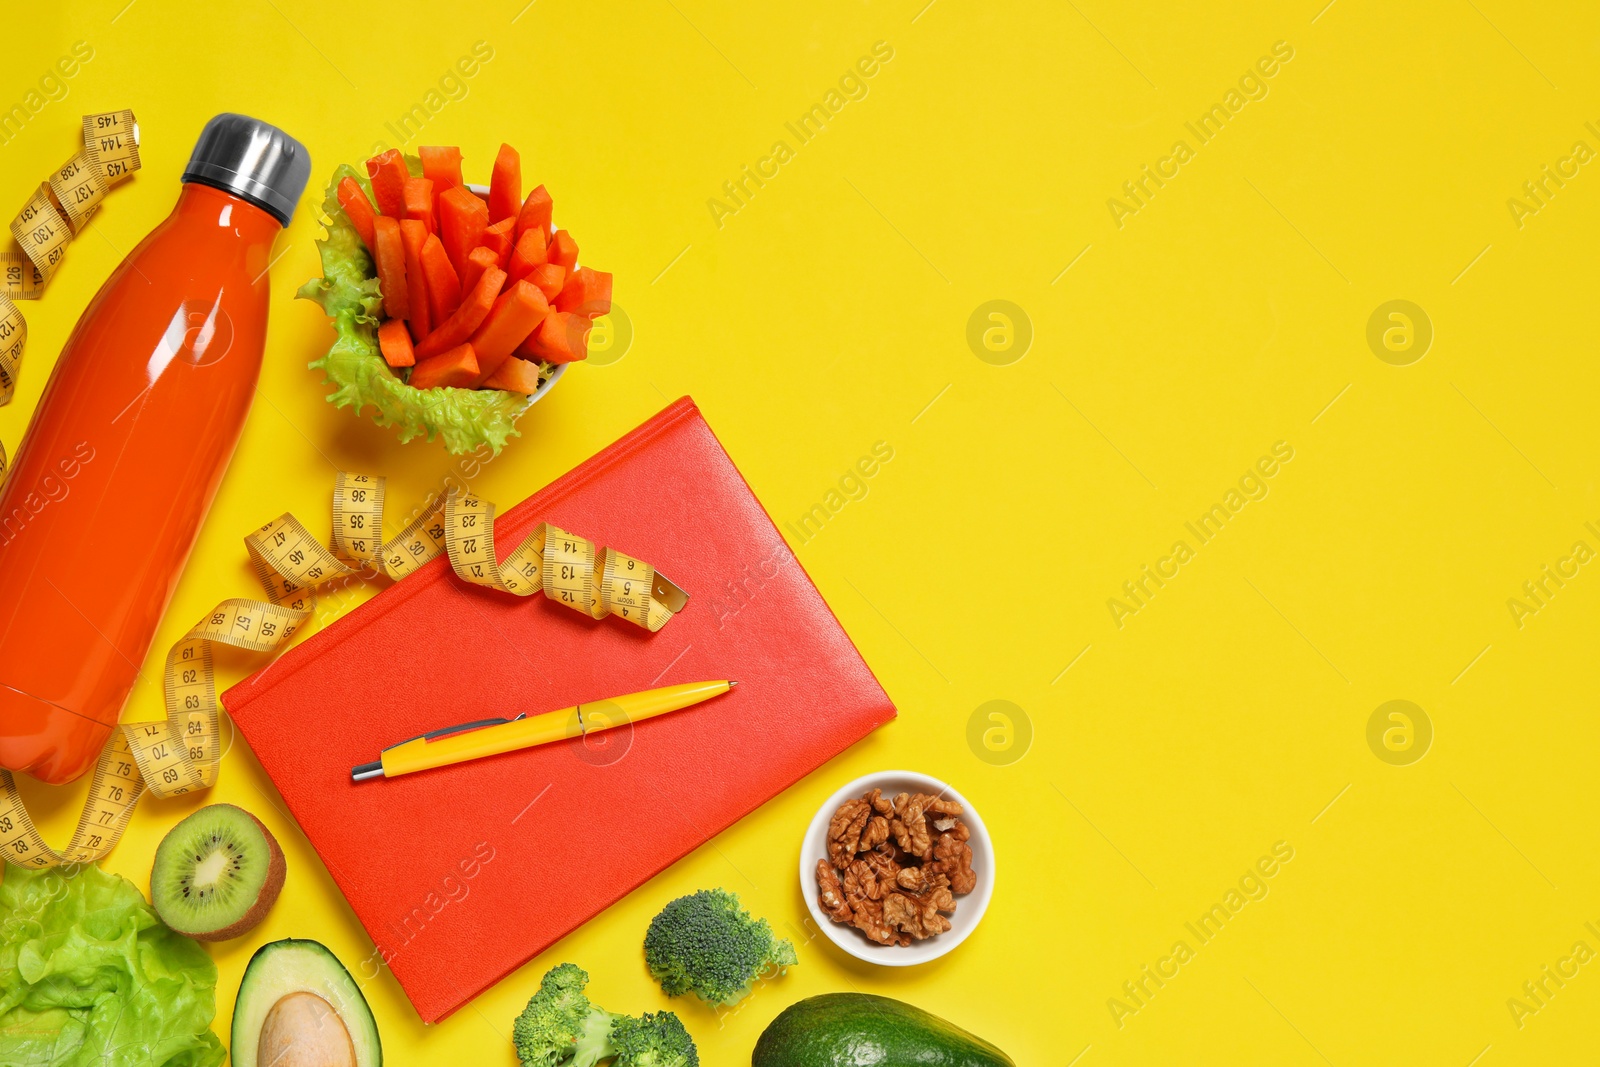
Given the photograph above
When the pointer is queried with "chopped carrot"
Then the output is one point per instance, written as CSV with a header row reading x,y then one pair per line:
x,y
562,337
515,376
358,209
468,317
442,167
412,236
505,185
535,214
479,260
444,289
419,202
454,368
564,250
550,278
395,343
528,254
479,288
462,220
588,292
518,310
388,173
391,257
497,238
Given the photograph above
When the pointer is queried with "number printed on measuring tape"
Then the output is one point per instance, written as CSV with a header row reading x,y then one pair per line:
x,y
19,278
181,753
41,232
78,187
111,140
13,335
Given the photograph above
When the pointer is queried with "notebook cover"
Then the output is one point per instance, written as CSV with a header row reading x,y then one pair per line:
x,y
462,874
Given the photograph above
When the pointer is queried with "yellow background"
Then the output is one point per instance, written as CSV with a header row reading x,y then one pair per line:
x,y
830,312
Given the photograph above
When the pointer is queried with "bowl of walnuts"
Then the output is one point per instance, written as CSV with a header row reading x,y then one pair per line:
x,y
897,868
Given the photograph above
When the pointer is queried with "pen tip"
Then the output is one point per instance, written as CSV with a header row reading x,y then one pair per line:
x,y
732,684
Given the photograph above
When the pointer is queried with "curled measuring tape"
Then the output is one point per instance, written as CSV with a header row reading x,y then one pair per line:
x,y
565,567
55,213
180,754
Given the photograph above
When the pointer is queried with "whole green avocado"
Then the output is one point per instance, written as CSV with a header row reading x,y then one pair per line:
x,y
862,1030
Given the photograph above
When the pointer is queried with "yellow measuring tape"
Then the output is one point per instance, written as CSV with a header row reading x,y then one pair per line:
x,y
13,334
180,754
56,212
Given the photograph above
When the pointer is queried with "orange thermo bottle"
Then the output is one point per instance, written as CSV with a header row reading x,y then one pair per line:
x,y
128,445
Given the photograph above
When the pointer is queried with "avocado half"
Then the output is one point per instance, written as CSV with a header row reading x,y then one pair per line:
x,y
276,973
863,1030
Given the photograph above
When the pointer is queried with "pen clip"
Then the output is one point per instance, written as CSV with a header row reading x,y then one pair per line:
x,y
446,731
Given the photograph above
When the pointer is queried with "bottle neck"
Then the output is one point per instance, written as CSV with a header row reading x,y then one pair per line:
x,y
203,205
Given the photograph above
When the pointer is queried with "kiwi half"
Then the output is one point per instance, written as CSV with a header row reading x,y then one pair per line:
x,y
216,873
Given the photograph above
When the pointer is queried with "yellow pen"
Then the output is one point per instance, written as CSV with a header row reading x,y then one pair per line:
x,y
490,737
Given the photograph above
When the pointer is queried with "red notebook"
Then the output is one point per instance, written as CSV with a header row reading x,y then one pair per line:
x,y
464,873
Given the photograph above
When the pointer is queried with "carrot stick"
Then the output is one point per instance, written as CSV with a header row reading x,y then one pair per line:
x,y
412,236
588,292
395,344
515,376
529,253
419,202
478,260
388,173
564,250
391,257
462,220
442,167
535,214
456,367
550,278
358,209
515,314
444,290
497,238
468,317
561,338
505,185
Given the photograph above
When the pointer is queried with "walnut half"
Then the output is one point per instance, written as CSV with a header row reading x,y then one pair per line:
x,y
952,857
831,893
844,832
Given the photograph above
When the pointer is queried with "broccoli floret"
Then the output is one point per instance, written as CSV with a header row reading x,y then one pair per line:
x,y
706,944
654,1040
559,1027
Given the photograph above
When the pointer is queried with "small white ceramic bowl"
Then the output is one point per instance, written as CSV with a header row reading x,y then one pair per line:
x,y
545,386
969,908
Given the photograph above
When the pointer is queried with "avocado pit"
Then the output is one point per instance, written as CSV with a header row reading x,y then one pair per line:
x,y
303,1030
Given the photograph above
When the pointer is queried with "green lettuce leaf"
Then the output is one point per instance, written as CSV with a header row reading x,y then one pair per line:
x,y
465,419
90,975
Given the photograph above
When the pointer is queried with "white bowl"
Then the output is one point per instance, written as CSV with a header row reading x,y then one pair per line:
x,y
969,908
544,387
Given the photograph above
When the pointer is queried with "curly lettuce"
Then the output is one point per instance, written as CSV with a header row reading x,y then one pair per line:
x,y
465,419
90,975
